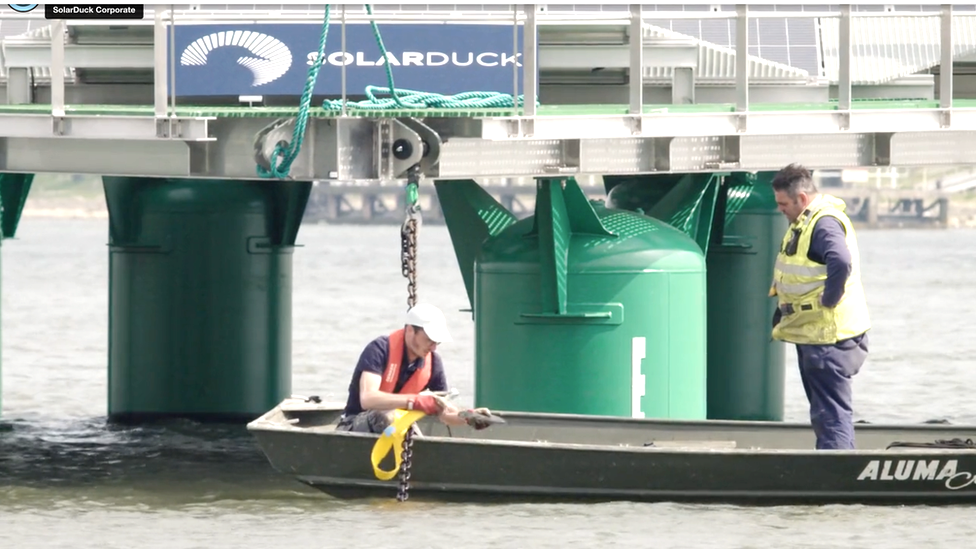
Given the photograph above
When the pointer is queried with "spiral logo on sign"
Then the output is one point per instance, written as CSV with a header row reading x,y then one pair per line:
x,y
270,57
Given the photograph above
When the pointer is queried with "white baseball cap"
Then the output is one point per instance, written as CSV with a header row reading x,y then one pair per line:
x,y
431,319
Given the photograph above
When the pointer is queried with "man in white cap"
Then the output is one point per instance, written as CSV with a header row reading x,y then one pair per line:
x,y
393,369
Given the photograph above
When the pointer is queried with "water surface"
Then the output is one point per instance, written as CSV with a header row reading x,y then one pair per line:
x,y
67,479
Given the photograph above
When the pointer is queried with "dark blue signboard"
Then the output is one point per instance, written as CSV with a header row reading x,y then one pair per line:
x,y
273,59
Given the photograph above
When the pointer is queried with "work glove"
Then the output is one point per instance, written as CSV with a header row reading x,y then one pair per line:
x,y
426,404
480,418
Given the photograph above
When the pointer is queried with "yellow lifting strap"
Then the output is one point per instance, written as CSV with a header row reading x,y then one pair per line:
x,y
391,439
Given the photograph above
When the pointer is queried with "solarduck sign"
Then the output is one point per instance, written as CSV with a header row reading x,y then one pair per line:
x,y
233,60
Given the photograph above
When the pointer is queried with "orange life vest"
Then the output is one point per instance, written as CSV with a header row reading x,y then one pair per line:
x,y
417,382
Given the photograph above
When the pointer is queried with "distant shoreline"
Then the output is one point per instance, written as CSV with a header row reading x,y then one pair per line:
x,y
64,213
68,207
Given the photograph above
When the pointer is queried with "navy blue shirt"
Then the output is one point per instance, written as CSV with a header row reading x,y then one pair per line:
x,y
373,359
828,246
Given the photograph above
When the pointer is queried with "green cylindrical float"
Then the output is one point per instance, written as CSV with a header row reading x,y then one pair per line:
x,y
14,188
200,275
582,309
746,367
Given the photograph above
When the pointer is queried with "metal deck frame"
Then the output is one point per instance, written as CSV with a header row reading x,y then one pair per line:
x,y
350,147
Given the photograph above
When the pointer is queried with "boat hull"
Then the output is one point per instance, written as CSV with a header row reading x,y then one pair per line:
x,y
712,467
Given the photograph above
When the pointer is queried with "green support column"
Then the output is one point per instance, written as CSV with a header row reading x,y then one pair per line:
x,y
13,194
200,296
733,217
746,367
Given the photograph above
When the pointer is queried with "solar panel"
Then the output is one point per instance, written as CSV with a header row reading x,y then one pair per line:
x,y
791,41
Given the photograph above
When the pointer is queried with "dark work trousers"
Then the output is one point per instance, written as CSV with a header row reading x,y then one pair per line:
x,y
370,421
826,372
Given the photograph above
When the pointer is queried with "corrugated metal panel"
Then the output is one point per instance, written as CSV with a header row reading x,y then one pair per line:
x,y
718,63
40,33
886,48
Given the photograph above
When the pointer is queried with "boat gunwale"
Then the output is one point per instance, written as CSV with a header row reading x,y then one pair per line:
x,y
567,417
268,425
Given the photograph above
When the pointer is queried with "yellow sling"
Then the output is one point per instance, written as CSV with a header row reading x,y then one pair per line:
x,y
392,440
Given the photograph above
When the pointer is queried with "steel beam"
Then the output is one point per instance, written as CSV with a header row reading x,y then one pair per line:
x,y
466,157
683,86
741,60
636,62
662,92
530,68
844,61
18,87
18,54
346,149
100,127
80,94
159,66
57,73
664,123
656,91
163,158
656,53
945,68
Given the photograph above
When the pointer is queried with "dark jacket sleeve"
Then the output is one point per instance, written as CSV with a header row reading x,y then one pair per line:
x,y
828,246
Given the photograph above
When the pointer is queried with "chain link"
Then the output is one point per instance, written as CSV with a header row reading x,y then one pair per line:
x,y
408,235
408,259
407,457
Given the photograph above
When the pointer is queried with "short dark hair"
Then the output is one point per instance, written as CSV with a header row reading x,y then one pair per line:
x,y
793,180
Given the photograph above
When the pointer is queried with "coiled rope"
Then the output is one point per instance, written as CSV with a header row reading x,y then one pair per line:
x,y
285,152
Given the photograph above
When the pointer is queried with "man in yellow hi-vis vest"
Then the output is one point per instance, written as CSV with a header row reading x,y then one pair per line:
x,y
821,305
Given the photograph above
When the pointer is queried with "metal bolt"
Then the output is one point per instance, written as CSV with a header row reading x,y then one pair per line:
x,y
402,149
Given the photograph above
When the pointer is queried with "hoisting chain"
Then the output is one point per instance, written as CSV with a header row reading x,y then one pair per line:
x,y
408,235
406,456
408,259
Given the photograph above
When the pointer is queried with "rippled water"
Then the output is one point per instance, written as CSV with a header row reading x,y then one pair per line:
x,y
69,480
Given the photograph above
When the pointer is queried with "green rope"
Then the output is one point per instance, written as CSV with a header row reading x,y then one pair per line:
x,y
284,154
287,152
413,193
408,99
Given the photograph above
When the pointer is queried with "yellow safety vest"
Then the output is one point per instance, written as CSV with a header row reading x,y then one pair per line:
x,y
798,282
